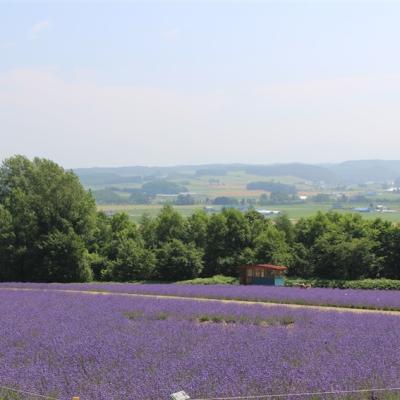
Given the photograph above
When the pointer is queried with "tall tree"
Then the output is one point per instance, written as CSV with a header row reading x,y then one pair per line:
x,y
123,252
177,261
228,236
7,245
169,225
197,229
271,247
52,219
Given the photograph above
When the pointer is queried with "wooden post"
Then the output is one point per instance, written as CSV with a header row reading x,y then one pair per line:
x,y
75,398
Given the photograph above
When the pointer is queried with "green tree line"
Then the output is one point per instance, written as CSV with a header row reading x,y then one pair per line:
x,y
50,231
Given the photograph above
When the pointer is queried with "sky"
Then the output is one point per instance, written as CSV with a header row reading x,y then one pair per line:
x,y
168,83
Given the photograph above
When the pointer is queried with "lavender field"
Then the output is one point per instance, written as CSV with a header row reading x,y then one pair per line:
x,y
116,347
353,298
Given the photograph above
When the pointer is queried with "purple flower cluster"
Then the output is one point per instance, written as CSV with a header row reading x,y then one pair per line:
x,y
374,299
118,347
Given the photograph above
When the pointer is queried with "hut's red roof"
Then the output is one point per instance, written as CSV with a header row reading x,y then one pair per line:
x,y
266,266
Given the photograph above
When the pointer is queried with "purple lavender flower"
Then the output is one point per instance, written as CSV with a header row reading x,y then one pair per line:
x,y
119,347
376,299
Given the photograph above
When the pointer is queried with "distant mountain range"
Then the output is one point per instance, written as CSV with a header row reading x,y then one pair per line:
x,y
362,171
358,171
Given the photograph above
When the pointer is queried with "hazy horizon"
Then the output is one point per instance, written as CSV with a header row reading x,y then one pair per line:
x,y
233,163
164,84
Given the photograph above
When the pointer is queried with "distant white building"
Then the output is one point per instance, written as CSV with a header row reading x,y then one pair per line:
x,y
268,212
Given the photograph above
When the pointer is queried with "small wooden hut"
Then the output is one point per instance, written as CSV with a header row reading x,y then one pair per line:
x,y
262,274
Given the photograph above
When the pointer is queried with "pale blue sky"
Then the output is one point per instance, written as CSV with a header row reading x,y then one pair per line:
x,y
172,83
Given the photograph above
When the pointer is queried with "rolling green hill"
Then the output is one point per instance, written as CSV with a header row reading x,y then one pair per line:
x,y
358,171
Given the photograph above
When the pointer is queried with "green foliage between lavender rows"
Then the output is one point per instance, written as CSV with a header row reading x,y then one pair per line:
x,y
212,280
50,231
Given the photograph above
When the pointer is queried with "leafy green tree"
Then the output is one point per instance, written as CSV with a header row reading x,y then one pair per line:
x,y
132,262
197,225
121,251
7,246
178,261
280,198
123,227
147,229
228,235
111,231
107,196
340,246
169,225
238,231
160,186
389,250
256,223
307,230
338,256
138,197
225,201
64,258
285,225
301,264
99,245
217,231
184,200
271,247
45,203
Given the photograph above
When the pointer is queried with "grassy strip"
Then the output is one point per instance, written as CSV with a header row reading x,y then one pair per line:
x,y
9,396
304,303
299,302
214,318
232,319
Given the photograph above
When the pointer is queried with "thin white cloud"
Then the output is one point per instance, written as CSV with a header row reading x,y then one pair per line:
x,y
171,34
6,45
365,86
38,28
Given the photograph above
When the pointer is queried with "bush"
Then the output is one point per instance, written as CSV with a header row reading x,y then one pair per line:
x,y
214,280
381,284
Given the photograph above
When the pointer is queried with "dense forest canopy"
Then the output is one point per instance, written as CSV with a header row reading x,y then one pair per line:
x,y
50,231
273,187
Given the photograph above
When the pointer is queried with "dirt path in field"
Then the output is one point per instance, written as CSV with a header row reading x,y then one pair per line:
x,y
176,297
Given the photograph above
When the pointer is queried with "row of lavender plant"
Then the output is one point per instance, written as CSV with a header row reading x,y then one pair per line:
x,y
371,299
116,347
